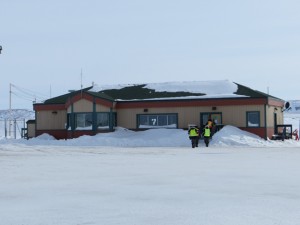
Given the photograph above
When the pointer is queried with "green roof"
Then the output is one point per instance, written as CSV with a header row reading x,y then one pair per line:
x,y
141,92
243,90
62,99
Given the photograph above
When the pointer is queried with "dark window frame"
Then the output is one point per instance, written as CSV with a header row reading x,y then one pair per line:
x,y
85,121
159,119
248,113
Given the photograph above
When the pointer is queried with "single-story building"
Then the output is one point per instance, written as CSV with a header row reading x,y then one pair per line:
x,y
172,105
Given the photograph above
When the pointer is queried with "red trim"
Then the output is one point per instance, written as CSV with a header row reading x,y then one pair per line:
x,y
58,134
190,103
41,107
260,131
78,133
91,98
270,132
160,103
71,100
276,103
104,102
80,96
67,134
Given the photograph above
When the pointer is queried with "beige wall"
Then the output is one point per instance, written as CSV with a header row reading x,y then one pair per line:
x,y
30,130
233,115
49,120
46,119
270,115
84,105
101,108
236,115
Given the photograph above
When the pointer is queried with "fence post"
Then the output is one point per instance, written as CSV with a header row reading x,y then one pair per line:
x,y
5,128
15,131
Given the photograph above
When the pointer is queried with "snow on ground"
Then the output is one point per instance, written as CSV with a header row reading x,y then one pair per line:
x,y
229,136
62,185
152,177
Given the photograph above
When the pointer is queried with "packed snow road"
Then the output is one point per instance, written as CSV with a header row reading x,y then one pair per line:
x,y
62,185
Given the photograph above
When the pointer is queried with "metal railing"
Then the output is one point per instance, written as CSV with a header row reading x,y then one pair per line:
x,y
12,128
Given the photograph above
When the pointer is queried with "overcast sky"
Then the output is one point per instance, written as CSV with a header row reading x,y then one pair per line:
x,y
46,44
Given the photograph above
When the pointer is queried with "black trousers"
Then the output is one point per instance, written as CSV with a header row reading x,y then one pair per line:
x,y
195,141
206,141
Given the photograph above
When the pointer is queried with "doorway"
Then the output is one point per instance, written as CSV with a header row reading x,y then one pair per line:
x,y
216,117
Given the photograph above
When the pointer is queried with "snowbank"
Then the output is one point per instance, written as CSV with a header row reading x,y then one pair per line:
x,y
228,136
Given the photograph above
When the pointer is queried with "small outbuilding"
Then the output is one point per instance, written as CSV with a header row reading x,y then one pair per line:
x,y
172,105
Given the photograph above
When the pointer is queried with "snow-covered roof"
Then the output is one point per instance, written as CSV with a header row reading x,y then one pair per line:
x,y
214,87
171,90
167,91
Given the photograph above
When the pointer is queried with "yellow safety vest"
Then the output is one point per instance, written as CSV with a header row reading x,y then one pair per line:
x,y
193,132
206,132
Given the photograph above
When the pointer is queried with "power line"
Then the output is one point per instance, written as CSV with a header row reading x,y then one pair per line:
x,y
24,97
28,94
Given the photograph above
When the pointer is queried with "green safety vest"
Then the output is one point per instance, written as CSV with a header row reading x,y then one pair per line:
x,y
193,132
206,132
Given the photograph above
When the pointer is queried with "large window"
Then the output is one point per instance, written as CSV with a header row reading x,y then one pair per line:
x,y
91,121
157,121
102,120
253,119
83,121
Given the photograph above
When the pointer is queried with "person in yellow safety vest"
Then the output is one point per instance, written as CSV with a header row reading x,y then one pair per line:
x,y
206,134
194,136
212,126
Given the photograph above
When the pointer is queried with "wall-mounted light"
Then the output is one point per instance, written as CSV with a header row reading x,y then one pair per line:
x,y
54,112
214,108
145,110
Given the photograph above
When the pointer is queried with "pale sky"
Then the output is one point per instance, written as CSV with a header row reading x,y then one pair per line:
x,y
46,44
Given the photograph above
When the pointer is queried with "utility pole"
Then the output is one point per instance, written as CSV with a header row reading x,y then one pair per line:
x,y
10,111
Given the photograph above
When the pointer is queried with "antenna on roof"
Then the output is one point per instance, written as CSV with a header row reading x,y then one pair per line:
x,y
81,79
81,82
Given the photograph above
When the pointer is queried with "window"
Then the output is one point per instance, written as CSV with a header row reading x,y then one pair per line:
x,y
102,120
157,121
83,121
253,119
68,126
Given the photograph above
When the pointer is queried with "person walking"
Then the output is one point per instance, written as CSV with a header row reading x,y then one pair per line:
x,y
206,135
194,136
212,126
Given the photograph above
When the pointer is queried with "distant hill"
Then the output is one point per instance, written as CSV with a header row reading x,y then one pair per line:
x,y
17,114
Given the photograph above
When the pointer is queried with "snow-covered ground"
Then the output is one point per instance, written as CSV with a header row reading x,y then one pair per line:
x,y
152,177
